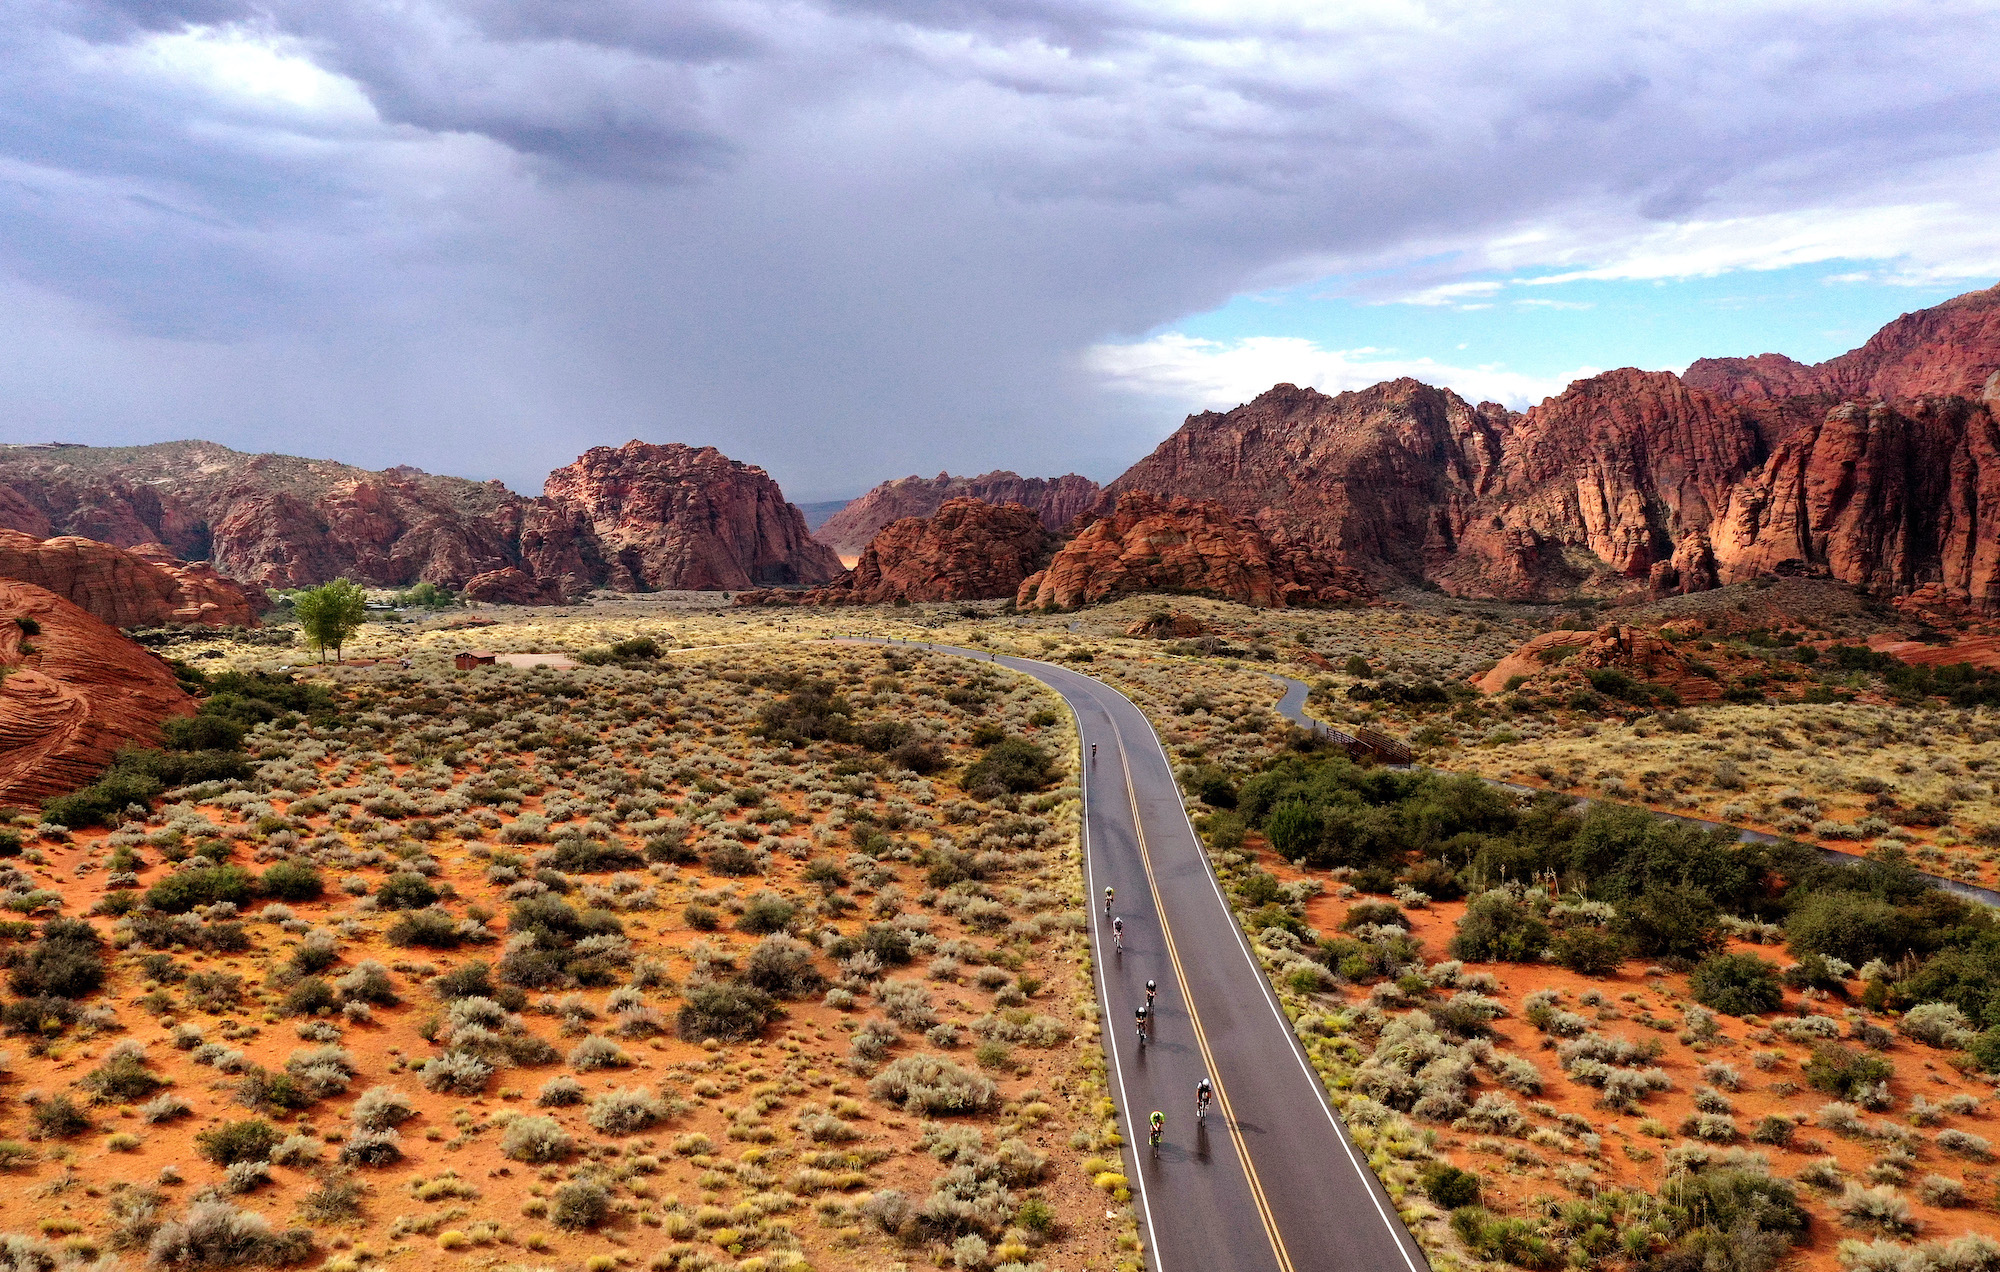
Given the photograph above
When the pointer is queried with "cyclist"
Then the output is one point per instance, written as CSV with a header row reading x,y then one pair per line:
x,y
1093,752
1118,932
1159,1123
1139,1019
1203,1093
1107,899
1151,989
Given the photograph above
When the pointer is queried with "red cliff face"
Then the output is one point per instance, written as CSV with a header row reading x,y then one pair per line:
x,y
968,550
630,518
1874,467
1149,544
1055,500
73,695
673,516
141,588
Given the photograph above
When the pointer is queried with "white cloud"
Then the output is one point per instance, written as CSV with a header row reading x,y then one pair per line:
x,y
1201,374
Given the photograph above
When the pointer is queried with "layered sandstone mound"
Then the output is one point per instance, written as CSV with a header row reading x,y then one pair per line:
x,y
1055,500
202,595
143,587
1873,468
510,587
673,516
74,693
1149,544
1167,625
968,550
1556,661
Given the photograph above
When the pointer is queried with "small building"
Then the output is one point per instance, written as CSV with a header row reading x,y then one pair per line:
x,y
468,659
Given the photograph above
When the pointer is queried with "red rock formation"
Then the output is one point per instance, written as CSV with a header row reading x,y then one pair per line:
x,y
143,587
968,550
1056,500
280,521
68,707
510,587
1148,544
201,595
675,516
1873,468
1167,625
1643,655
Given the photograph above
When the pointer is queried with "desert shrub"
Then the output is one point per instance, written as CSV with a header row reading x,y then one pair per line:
x,y
372,1148
1449,1186
1938,1025
57,1117
406,890
1965,1144
562,945
560,1091
291,881
122,1078
1773,1129
1366,913
1496,928
580,1204
215,1234
247,1141
1015,765
367,982
1845,1072
1739,984
732,859
1514,1241
1850,926
726,1010
782,966
1588,950
185,889
381,1107
626,1111
430,927
460,1072
765,913
536,1139
1941,1191
164,1108
934,1085
1883,1209
1671,920
311,996
1294,830
575,855
597,1053
296,1150
65,963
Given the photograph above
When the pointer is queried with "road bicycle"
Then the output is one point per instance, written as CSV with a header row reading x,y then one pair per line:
x,y
1154,1138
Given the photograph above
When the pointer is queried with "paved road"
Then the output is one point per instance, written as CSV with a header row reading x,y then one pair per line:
x,y
1292,706
1271,1182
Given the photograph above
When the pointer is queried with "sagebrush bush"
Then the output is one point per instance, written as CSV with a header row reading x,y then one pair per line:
x,y
933,1084
624,1112
580,1204
536,1139
215,1234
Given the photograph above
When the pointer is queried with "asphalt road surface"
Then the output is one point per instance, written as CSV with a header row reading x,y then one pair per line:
x,y
1270,1181
1292,706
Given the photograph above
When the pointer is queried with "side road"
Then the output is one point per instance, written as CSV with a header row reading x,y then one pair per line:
x,y
1271,1181
1293,707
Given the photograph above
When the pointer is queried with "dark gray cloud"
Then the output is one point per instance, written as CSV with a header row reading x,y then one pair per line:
x,y
855,240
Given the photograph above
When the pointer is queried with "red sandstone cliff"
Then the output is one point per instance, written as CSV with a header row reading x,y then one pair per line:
x,y
1874,467
675,516
1149,544
968,550
67,707
140,588
669,517
1055,500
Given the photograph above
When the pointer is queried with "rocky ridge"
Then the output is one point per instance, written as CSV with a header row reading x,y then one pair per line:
x,y
1872,468
143,587
281,521
1055,500
968,550
1149,544
73,693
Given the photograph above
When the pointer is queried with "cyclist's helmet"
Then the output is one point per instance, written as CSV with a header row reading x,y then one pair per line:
x,y
1202,1088
1150,987
1158,1117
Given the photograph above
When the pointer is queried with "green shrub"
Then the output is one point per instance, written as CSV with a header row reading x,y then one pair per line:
x,y
765,913
580,1204
1014,765
57,1117
431,928
1294,830
1845,1072
247,1141
1496,928
1449,1186
292,881
1588,950
1738,984
1670,920
65,963
726,1010
185,889
406,890
536,1139
311,996
933,1085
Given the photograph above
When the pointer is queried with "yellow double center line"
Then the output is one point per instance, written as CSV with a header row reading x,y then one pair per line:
x,y
1200,1035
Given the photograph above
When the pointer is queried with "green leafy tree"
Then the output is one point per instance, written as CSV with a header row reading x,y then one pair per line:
x,y
329,614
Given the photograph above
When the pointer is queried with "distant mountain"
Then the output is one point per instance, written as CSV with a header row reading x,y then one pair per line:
x,y
816,513
1055,500
640,516
1880,468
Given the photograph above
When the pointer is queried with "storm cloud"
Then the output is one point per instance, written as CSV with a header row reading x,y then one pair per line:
x,y
850,241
